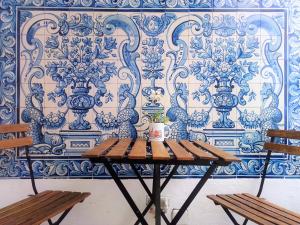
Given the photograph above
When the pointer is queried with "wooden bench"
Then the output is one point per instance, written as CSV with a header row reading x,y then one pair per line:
x,y
253,207
42,206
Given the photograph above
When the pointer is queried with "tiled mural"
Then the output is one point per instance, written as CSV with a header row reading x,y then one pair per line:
x,y
80,71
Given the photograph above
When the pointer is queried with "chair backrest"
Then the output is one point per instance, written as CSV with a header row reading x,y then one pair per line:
x,y
281,147
272,146
16,142
14,128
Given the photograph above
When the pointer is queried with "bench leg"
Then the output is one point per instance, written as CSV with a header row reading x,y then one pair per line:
x,y
230,216
245,221
65,213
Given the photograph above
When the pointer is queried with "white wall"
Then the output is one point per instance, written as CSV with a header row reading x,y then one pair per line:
x,y
106,205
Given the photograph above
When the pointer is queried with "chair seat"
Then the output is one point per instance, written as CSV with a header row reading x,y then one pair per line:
x,y
39,208
256,209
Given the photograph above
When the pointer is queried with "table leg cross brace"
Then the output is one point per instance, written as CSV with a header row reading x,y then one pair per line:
x,y
173,171
125,193
156,195
195,191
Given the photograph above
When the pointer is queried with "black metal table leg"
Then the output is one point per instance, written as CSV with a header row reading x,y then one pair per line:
x,y
156,193
195,191
171,174
125,193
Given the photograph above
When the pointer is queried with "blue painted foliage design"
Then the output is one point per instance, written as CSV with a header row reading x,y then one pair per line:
x,y
85,56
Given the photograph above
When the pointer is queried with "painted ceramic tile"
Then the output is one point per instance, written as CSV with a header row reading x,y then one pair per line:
x,y
223,71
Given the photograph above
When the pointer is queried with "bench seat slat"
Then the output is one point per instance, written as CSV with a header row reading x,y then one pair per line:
x,y
239,210
100,149
16,143
263,210
138,150
179,151
288,212
251,210
256,206
22,202
227,157
41,207
29,205
159,152
54,208
197,151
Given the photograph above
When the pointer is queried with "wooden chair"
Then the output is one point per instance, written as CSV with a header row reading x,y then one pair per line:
x,y
258,209
41,206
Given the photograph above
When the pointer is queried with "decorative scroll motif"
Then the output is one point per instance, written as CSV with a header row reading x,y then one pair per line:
x,y
81,76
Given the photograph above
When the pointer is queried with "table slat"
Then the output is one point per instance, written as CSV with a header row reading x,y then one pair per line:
x,y
119,150
138,150
197,151
179,151
159,152
16,143
98,150
227,157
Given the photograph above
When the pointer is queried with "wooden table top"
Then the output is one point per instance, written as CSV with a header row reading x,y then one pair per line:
x,y
168,152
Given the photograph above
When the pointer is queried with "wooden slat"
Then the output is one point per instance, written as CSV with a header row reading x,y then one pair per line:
x,y
239,210
179,151
159,152
100,149
12,128
271,207
289,212
197,151
227,157
23,203
32,206
138,150
41,207
54,208
282,148
251,210
16,142
263,211
119,150
292,134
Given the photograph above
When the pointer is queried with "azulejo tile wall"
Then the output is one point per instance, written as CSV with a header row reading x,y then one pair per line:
x,y
82,70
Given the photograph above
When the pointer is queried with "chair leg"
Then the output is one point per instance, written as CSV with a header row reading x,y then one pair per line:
x,y
31,171
230,216
65,213
245,221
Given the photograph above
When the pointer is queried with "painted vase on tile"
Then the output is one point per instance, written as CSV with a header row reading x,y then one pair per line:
x,y
157,132
80,102
224,102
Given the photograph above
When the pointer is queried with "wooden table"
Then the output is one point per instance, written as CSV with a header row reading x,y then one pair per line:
x,y
169,152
